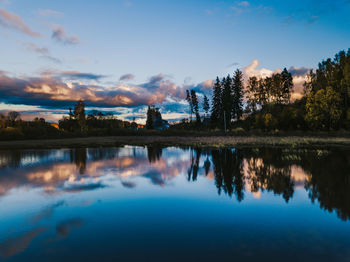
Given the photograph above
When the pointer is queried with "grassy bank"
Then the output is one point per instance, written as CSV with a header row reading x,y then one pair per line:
x,y
219,141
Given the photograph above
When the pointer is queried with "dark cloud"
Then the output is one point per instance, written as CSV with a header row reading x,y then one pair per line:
x,y
60,35
299,71
13,21
79,75
127,77
64,228
50,90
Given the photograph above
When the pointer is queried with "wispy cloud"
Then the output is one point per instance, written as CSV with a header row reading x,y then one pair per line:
x,y
80,75
13,21
50,13
127,77
43,51
60,35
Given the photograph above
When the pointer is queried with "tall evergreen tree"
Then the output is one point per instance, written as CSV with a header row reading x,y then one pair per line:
x,y
237,108
190,104
287,85
227,100
206,105
216,108
195,106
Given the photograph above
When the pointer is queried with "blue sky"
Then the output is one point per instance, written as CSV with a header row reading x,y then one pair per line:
x,y
56,51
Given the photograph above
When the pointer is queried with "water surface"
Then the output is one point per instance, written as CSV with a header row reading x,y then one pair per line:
x,y
173,204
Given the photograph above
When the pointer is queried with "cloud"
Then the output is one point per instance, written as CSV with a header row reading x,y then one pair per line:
x,y
79,75
127,77
52,90
252,70
243,3
45,54
50,13
13,21
299,76
233,64
299,71
60,35
34,48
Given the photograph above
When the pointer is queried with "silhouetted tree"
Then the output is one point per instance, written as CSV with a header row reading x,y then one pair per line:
x,y
216,108
237,107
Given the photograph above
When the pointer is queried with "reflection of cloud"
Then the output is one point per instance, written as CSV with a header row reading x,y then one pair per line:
x,y
63,229
73,188
13,21
18,244
128,184
47,212
155,177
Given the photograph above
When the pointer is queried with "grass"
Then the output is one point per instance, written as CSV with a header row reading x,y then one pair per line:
x,y
205,141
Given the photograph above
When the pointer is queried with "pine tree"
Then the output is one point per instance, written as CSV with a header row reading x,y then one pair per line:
x,y
195,106
227,100
237,86
206,105
216,108
189,100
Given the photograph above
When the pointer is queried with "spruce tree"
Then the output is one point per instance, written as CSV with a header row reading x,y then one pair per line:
x,y
227,100
237,86
206,105
216,107
195,106
190,104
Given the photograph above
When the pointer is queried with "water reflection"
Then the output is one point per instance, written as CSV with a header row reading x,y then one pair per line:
x,y
236,173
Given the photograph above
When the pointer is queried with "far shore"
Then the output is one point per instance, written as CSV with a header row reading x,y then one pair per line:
x,y
218,141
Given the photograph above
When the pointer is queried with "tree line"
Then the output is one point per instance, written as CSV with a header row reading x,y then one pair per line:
x,y
265,103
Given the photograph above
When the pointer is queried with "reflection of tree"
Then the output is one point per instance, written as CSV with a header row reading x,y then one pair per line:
x,y
193,170
329,183
154,153
79,156
264,176
228,170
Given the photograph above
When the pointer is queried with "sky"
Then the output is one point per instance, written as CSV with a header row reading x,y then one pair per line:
x,y
122,55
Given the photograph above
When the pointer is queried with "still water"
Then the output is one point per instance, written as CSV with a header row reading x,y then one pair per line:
x,y
175,204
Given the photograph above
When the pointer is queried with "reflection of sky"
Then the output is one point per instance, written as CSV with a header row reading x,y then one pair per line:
x,y
122,202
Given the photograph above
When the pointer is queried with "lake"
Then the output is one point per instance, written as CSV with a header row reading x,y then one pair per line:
x,y
175,204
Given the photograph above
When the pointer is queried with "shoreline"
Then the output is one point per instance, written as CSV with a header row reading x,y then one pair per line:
x,y
193,141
